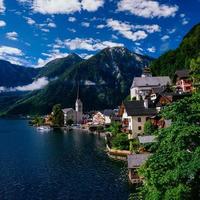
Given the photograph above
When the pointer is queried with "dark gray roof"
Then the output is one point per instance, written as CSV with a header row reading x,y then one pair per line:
x,y
154,81
184,73
109,112
66,110
136,160
136,108
147,139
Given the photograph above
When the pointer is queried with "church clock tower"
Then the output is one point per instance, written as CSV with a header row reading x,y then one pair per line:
x,y
79,109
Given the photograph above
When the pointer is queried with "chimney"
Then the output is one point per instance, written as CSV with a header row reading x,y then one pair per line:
x,y
146,103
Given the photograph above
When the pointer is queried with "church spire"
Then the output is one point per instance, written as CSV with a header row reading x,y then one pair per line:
x,y
77,97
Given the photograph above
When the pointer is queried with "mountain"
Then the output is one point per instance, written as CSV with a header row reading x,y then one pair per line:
x,y
179,58
104,81
57,67
14,75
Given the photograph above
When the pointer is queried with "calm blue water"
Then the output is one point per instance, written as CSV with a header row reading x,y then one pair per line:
x,y
56,165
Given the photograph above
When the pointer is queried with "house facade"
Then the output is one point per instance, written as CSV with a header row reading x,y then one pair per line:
x,y
108,115
134,116
183,84
98,119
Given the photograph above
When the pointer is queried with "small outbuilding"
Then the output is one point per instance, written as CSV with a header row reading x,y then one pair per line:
x,y
134,162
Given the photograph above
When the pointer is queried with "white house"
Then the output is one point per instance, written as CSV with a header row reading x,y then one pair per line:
x,y
135,114
108,114
143,86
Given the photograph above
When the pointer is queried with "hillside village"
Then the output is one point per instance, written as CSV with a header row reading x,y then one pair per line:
x,y
128,129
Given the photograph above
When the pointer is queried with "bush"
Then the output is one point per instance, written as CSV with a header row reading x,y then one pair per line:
x,y
149,128
120,142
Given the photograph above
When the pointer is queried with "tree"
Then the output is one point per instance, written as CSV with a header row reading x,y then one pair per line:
x,y
114,128
58,116
149,128
195,72
69,122
173,171
38,121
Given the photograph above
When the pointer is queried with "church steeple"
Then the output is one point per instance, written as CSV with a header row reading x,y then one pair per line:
x,y
79,106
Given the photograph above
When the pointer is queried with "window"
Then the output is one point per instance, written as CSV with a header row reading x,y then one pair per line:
x,y
147,118
139,119
139,128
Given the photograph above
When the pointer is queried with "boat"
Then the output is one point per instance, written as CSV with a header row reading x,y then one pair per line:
x,y
44,128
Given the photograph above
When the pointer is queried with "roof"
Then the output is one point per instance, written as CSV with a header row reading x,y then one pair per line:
x,y
108,112
154,81
147,139
184,73
136,160
136,108
66,110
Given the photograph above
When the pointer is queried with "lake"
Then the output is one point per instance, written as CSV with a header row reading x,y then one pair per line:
x,y
57,166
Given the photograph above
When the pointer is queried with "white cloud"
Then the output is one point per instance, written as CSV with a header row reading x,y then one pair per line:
x,y
132,32
13,55
52,56
12,35
45,30
2,23
85,24
51,25
71,30
170,31
147,8
63,6
182,15
35,85
89,44
165,37
92,5
151,49
138,50
185,21
100,26
6,50
2,7
30,21
71,19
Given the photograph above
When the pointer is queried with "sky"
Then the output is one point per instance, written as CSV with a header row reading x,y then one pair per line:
x,y
34,32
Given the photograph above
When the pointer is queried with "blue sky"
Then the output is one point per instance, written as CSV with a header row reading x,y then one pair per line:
x,y
34,32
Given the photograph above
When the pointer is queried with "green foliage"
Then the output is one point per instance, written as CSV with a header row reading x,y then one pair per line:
x,y
128,98
149,128
180,58
173,171
69,122
114,128
38,121
134,145
120,142
58,116
195,72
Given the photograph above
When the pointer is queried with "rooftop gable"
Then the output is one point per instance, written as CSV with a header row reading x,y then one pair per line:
x,y
136,108
155,81
136,160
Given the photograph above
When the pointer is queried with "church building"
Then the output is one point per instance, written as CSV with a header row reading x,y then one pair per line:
x,y
75,115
